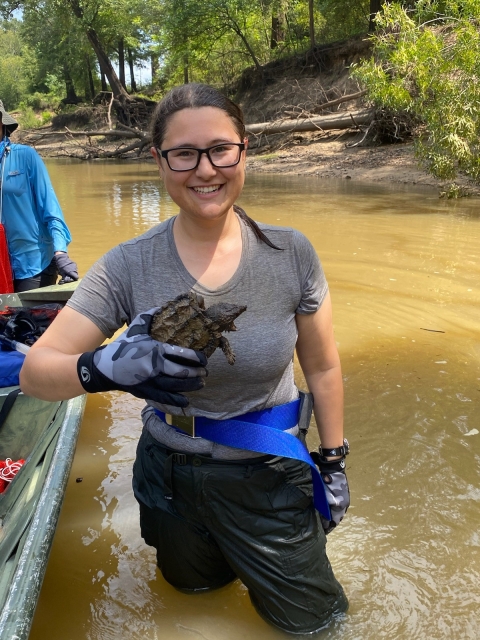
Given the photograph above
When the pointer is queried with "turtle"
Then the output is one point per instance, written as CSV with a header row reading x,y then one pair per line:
x,y
186,322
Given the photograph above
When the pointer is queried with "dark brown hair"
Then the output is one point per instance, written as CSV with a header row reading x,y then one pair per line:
x,y
195,96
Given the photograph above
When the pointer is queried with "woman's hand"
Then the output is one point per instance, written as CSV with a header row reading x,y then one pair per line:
x,y
336,488
139,365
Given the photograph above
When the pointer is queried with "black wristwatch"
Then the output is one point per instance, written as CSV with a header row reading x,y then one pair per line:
x,y
337,451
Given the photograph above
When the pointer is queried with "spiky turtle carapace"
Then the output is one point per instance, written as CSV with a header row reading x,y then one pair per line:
x,y
187,323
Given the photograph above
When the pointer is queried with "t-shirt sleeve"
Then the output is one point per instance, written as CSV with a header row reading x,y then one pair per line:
x,y
104,293
314,284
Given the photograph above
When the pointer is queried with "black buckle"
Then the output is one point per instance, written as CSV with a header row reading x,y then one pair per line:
x,y
180,458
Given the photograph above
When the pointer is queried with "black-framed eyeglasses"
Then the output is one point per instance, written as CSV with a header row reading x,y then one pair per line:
x,y
221,156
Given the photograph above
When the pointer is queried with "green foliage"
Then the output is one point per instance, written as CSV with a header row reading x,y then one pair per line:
x,y
13,79
46,117
427,62
55,55
343,18
27,118
453,191
36,101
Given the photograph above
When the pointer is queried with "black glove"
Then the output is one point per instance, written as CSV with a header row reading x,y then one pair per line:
x,y
336,487
148,369
67,268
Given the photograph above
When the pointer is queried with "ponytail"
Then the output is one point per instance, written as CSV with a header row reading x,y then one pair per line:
x,y
254,227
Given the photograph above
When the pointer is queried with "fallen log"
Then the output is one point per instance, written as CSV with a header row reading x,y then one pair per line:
x,y
112,133
344,120
140,139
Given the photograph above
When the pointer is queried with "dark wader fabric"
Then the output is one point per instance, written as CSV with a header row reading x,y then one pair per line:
x,y
251,519
44,279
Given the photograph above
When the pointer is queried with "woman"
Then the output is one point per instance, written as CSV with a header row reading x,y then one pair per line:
x,y
36,233
213,511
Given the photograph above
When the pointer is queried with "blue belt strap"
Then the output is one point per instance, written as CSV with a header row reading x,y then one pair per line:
x,y
263,432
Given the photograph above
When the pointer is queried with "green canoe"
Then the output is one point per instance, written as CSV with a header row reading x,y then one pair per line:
x,y
44,434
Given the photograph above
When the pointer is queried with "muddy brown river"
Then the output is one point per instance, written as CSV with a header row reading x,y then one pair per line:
x,y
404,273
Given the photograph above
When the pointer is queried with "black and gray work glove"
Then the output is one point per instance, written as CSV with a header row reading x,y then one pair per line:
x,y
336,487
67,268
139,365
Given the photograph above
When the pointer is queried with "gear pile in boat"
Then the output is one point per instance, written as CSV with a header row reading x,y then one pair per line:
x,y
27,324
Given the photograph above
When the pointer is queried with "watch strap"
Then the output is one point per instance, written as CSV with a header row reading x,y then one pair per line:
x,y
335,451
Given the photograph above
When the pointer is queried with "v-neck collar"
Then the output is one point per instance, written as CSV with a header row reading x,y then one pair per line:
x,y
197,286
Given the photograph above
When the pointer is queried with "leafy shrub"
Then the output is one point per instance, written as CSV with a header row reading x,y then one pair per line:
x,y
27,118
427,62
35,101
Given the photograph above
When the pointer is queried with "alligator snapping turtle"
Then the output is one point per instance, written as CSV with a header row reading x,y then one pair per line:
x,y
187,323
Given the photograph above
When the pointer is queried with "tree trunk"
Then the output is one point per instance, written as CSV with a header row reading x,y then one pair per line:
x,y
71,95
375,7
121,63
185,69
91,83
274,32
311,24
106,66
154,65
103,80
277,33
133,84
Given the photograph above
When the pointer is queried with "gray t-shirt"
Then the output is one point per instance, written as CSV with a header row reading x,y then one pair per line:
x,y
274,285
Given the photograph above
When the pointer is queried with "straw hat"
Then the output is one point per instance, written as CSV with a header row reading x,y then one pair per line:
x,y
7,119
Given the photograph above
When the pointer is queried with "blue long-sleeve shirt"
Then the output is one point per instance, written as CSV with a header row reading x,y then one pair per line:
x,y
31,214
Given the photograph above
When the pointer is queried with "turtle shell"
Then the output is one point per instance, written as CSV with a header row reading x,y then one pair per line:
x,y
186,322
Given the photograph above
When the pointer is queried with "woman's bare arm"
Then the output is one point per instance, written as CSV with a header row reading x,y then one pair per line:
x,y
318,356
50,368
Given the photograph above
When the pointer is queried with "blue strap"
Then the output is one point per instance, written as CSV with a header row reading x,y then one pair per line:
x,y
263,432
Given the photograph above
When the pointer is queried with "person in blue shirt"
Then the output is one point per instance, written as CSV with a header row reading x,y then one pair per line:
x,y
36,232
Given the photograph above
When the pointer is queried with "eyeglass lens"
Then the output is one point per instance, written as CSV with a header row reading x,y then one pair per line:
x,y
225,155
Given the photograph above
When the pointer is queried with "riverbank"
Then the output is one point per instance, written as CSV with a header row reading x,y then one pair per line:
x,y
334,157
323,155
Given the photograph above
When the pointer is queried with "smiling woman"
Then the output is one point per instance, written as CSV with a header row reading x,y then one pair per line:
x,y
243,498
204,189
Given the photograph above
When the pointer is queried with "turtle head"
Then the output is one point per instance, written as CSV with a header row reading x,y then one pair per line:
x,y
224,315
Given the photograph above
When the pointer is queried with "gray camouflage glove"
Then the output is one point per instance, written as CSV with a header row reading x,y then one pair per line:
x,y
336,488
67,268
139,365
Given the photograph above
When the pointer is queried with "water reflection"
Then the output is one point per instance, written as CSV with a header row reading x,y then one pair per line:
x,y
403,269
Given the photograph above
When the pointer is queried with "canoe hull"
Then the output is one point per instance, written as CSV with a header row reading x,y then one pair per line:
x,y
45,435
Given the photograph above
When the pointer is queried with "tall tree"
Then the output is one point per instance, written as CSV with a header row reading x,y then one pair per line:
x,y
103,59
